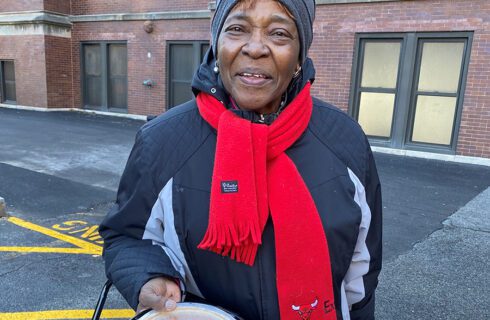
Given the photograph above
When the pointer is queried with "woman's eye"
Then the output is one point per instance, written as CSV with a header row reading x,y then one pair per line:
x,y
280,34
234,29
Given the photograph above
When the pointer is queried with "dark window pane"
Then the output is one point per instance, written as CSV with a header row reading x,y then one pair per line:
x,y
118,93
8,81
92,75
93,92
10,91
8,71
92,60
182,61
181,92
118,70
118,60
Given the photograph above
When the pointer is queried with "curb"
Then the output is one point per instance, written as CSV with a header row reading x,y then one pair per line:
x,y
3,206
103,113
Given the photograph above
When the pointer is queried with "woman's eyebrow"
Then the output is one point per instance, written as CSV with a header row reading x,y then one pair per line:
x,y
282,19
238,16
278,18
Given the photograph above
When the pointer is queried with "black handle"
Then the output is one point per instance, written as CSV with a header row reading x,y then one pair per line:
x,y
101,301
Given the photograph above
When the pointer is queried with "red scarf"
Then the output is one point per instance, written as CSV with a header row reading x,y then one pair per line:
x,y
252,175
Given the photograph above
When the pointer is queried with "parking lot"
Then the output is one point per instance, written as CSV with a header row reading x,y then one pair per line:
x,y
59,173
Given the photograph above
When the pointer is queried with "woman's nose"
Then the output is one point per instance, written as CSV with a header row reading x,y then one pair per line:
x,y
256,46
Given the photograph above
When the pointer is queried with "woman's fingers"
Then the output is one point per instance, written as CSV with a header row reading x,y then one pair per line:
x,y
159,294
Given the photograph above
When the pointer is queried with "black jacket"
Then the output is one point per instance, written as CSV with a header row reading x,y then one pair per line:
x,y
161,212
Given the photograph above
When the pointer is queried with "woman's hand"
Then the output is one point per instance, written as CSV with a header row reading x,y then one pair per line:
x,y
159,294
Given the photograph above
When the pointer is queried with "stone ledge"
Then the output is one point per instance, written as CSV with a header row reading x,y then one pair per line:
x,y
35,17
170,15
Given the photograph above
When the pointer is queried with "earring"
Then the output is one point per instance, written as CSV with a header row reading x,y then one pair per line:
x,y
298,71
216,67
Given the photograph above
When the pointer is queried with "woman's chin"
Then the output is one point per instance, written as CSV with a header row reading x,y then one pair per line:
x,y
263,106
261,100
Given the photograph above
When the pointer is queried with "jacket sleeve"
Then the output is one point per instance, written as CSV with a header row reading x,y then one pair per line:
x,y
366,264
131,261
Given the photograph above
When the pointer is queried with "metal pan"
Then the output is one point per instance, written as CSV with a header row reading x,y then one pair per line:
x,y
189,311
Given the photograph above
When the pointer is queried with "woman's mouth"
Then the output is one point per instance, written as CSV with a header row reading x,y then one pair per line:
x,y
254,78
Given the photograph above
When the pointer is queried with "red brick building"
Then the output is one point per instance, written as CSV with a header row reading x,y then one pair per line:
x,y
414,73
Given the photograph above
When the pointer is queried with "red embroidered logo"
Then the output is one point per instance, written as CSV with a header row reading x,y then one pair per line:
x,y
305,310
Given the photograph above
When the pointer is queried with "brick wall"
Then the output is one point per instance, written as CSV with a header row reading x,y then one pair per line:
x,y
30,68
141,100
59,76
80,7
20,5
61,6
333,50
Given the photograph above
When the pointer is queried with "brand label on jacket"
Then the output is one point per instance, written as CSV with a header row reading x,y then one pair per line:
x,y
229,186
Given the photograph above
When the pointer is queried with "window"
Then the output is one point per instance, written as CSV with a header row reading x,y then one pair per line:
x,y
378,86
105,76
183,59
7,82
408,88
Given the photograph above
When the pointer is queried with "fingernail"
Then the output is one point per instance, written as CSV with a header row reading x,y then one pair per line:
x,y
170,305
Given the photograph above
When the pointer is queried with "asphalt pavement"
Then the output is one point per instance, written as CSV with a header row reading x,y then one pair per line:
x,y
59,173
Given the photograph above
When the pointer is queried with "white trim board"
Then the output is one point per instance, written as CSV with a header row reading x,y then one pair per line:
x,y
434,156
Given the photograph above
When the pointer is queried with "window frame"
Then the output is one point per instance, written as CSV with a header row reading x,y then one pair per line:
x,y
104,53
356,85
459,95
197,59
406,92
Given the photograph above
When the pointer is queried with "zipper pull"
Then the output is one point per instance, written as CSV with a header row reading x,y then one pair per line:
x,y
262,118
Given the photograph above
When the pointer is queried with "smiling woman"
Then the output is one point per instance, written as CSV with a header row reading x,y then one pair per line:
x,y
258,54
254,197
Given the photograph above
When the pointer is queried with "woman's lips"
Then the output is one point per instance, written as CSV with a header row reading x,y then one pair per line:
x,y
254,79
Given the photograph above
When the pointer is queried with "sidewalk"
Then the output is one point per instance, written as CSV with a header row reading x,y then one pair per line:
x,y
445,276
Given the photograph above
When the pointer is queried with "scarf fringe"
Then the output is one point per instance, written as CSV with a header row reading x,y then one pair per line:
x,y
241,245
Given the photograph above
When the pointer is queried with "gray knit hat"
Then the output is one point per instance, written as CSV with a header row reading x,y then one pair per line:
x,y
302,10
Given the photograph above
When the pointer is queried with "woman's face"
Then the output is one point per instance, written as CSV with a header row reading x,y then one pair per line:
x,y
258,53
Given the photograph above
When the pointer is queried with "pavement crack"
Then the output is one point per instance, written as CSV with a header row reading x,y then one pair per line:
x,y
29,264
15,270
452,226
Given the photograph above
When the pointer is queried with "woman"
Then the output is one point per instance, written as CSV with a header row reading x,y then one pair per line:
x,y
255,197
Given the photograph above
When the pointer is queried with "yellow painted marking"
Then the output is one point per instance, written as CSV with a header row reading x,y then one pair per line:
x,y
89,232
88,248
46,250
67,314
70,224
